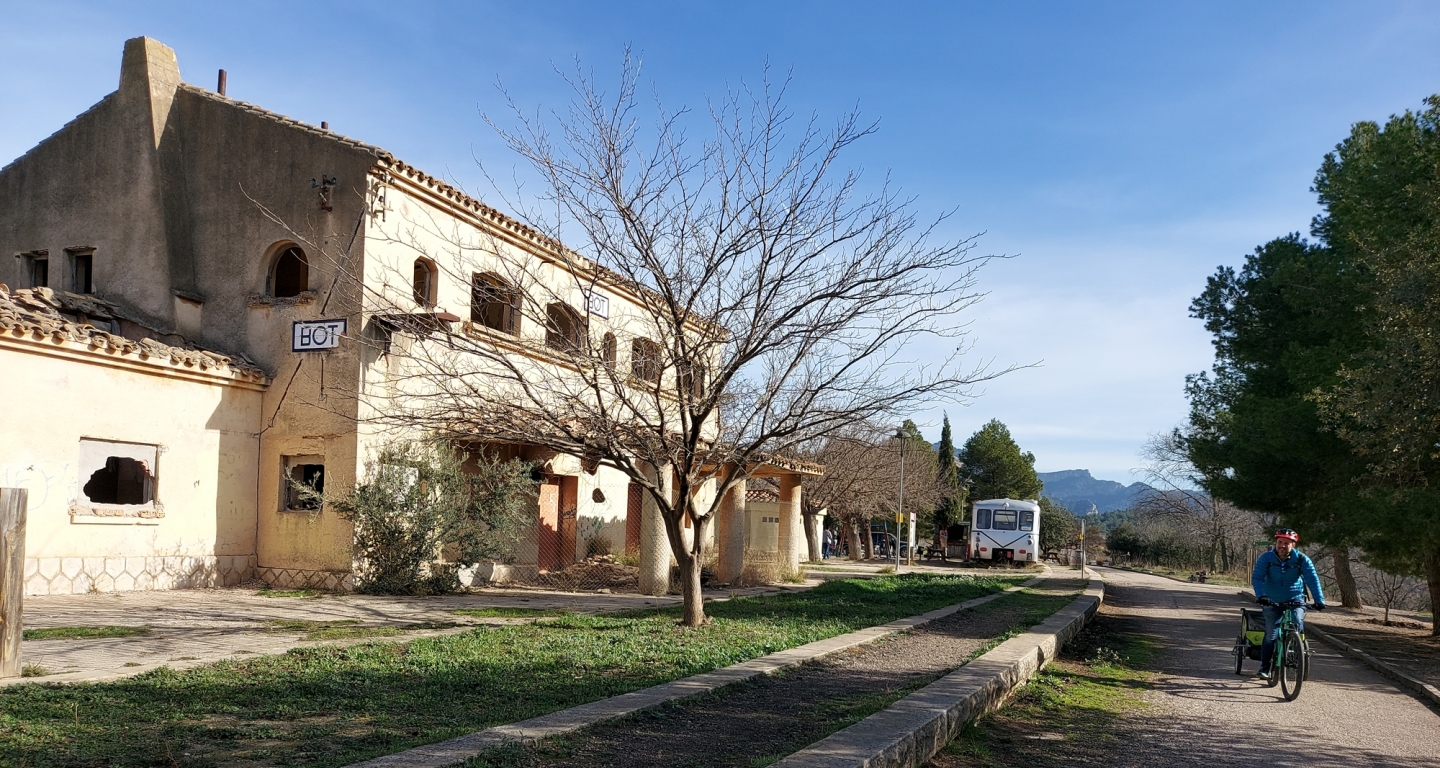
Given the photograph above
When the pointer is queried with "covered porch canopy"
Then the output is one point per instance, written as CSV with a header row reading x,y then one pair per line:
x,y
730,525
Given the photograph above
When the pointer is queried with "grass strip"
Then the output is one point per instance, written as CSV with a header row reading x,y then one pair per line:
x,y
83,633
815,719
330,706
1077,704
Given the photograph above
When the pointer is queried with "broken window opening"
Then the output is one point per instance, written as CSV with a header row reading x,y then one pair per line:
x,y
291,274
121,481
607,350
118,473
306,483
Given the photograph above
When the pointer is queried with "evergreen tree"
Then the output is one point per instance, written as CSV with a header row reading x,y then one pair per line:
x,y
994,467
952,490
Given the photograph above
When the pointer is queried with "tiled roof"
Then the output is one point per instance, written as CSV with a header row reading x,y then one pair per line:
x,y
41,313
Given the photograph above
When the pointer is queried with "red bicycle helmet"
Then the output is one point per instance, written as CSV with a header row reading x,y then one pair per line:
x,y
1288,535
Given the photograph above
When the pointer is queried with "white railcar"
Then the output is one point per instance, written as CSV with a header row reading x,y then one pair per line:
x,y
1005,529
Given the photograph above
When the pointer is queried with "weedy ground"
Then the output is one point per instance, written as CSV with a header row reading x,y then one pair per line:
x,y
330,706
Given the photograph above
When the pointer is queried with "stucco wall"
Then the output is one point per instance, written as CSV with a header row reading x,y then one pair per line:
x,y
205,478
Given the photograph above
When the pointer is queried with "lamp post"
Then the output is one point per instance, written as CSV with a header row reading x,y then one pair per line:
x,y
900,504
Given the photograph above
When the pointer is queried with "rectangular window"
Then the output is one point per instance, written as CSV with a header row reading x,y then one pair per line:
x,y
37,268
303,478
982,519
118,473
1005,519
1027,520
82,263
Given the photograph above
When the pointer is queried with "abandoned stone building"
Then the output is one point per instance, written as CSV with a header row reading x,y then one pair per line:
x,y
158,253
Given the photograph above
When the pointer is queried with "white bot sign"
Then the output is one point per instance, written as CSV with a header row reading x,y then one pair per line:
x,y
316,335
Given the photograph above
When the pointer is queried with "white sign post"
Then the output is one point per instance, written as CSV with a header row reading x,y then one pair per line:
x,y
316,335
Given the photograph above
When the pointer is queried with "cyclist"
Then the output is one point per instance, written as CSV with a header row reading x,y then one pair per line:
x,y
1282,575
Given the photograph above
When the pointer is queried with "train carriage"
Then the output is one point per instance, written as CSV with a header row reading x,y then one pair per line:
x,y
1005,529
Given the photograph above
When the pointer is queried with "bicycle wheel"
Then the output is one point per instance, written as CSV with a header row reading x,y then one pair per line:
x,y
1239,652
1292,667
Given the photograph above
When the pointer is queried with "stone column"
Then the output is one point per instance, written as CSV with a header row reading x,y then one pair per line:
x,y
730,535
654,545
792,531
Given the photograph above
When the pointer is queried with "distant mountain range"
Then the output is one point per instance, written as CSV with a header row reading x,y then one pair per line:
x,y
1078,491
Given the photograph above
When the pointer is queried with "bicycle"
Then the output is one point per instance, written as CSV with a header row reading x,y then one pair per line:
x,y
1291,664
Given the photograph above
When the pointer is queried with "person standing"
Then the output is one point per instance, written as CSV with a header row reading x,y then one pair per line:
x,y
827,543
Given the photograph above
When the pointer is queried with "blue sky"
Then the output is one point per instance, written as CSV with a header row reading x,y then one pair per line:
x,y
1119,151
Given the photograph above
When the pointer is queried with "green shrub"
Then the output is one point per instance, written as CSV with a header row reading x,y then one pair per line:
x,y
424,510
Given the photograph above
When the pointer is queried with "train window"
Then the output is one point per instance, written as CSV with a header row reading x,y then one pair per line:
x,y
982,519
1005,519
1027,521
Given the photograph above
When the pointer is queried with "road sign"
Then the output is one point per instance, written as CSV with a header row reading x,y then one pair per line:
x,y
316,335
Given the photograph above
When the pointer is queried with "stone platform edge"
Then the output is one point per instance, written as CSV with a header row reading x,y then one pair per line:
x,y
456,751
910,731
1423,690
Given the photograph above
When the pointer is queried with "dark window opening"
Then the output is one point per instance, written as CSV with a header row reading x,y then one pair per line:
x,y
1005,519
81,281
564,330
291,275
1027,521
39,272
121,481
645,360
424,284
303,479
494,304
692,380
982,519
607,350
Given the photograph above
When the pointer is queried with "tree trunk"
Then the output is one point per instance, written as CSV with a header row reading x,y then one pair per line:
x,y
1432,578
813,536
690,588
856,549
1345,579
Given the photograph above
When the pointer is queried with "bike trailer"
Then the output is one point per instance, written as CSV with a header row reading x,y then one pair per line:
x,y
1252,629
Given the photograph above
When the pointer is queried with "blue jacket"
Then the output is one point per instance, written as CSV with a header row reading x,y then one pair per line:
x,y
1280,580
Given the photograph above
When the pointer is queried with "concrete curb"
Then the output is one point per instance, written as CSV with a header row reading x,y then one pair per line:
x,y
910,731
1423,690
457,750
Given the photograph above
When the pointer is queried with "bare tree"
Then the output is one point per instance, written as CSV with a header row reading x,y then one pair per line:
x,y
861,480
1223,528
771,301
1390,589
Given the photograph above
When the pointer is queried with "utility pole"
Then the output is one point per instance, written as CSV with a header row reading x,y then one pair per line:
x,y
1082,547
900,504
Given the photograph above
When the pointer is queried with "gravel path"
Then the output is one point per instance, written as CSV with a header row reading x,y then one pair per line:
x,y
1201,714
757,722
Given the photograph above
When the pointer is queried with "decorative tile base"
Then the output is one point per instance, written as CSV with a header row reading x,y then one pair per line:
x,y
300,578
79,575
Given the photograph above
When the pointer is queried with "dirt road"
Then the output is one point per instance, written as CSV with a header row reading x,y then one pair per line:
x,y
1204,714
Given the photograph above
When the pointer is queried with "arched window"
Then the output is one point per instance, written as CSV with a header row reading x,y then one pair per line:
x,y
290,274
564,329
495,304
425,274
645,362
607,350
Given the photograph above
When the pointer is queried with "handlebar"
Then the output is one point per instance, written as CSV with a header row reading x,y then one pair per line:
x,y
1289,604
